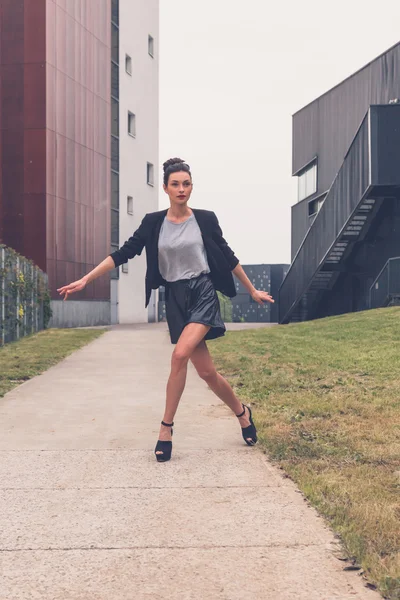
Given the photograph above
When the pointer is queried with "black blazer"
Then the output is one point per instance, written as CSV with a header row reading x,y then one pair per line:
x,y
221,259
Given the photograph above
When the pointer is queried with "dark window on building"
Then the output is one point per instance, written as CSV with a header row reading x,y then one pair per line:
x,y
128,64
115,11
115,227
114,43
114,190
131,124
114,153
114,117
151,46
114,80
129,205
150,174
314,206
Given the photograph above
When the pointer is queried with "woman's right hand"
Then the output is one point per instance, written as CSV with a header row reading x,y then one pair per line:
x,y
76,286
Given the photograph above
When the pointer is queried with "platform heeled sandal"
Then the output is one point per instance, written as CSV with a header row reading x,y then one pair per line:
x,y
250,431
164,447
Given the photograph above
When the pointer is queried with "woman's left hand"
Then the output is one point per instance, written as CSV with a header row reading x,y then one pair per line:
x,y
262,297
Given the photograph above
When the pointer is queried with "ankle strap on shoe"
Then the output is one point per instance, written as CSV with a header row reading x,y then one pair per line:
x,y
242,414
166,424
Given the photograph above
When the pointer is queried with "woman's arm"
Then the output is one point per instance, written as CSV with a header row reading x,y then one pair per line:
x,y
131,248
222,243
77,286
257,295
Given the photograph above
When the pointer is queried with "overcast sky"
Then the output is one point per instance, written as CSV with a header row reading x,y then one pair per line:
x,y
232,73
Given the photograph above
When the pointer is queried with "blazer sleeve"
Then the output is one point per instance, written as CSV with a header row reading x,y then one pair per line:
x,y
233,261
133,246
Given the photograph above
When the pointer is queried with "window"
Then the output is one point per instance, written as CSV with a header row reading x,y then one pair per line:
x,y
307,183
114,117
114,153
115,11
125,268
114,227
151,46
128,64
131,124
130,205
114,43
114,80
314,206
114,190
150,174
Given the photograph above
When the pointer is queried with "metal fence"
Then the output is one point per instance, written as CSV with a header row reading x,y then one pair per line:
x,y
24,297
387,285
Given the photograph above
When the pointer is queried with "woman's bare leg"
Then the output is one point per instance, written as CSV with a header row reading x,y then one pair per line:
x,y
188,341
205,367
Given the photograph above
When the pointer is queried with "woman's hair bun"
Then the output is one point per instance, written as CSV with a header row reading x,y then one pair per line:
x,y
174,165
171,162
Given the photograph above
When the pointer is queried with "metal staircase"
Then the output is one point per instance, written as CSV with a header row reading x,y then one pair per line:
x,y
344,218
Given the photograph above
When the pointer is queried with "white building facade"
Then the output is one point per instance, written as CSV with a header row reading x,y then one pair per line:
x,y
135,182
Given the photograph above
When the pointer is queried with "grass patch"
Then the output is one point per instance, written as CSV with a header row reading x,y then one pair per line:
x,y
327,398
30,356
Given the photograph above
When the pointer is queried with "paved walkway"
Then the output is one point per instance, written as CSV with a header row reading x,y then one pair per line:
x,y
86,513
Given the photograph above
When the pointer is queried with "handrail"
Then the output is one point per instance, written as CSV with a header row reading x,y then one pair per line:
x,y
389,290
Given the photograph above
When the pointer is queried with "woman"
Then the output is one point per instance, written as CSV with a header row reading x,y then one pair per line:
x,y
186,252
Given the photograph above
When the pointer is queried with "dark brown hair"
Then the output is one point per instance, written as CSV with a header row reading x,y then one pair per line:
x,y
174,165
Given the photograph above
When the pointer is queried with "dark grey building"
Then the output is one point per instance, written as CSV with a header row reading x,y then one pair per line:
x,y
346,223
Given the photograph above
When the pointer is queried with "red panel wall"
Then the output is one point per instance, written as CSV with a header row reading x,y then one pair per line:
x,y
22,127
55,136
78,141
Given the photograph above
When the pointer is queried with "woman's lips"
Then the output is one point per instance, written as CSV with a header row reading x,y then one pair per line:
x,y
182,196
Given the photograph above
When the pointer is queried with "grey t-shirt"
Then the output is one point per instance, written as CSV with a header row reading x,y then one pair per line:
x,y
181,252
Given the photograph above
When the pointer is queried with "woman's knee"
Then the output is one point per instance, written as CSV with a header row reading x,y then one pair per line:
x,y
180,357
208,374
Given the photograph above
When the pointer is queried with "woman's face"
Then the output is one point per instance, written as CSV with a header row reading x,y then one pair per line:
x,y
179,187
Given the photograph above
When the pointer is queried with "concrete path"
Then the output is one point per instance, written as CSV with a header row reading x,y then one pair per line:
x,y
86,513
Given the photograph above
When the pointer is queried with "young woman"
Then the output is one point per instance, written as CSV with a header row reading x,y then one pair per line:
x,y
186,252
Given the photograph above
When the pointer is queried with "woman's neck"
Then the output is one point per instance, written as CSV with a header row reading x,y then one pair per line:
x,y
179,212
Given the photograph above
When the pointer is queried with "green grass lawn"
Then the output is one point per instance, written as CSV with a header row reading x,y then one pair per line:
x,y
327,407
30,356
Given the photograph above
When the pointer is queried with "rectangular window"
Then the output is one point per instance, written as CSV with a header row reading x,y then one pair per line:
x,y
114,153
314,206
307,182
114,80
131,124
114,190
114,117
125,267
114,227
150,174
115,43
115,11
130,205
128,64
151,46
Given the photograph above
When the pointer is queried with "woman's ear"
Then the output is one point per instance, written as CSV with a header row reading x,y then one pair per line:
x,y
165,188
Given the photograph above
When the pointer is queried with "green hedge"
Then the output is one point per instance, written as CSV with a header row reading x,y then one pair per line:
x,y
24,297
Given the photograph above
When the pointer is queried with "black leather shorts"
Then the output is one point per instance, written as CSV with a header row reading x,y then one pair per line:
x,y
193,301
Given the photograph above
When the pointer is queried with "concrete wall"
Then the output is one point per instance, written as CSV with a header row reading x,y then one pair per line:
x,y
138,94
79,313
